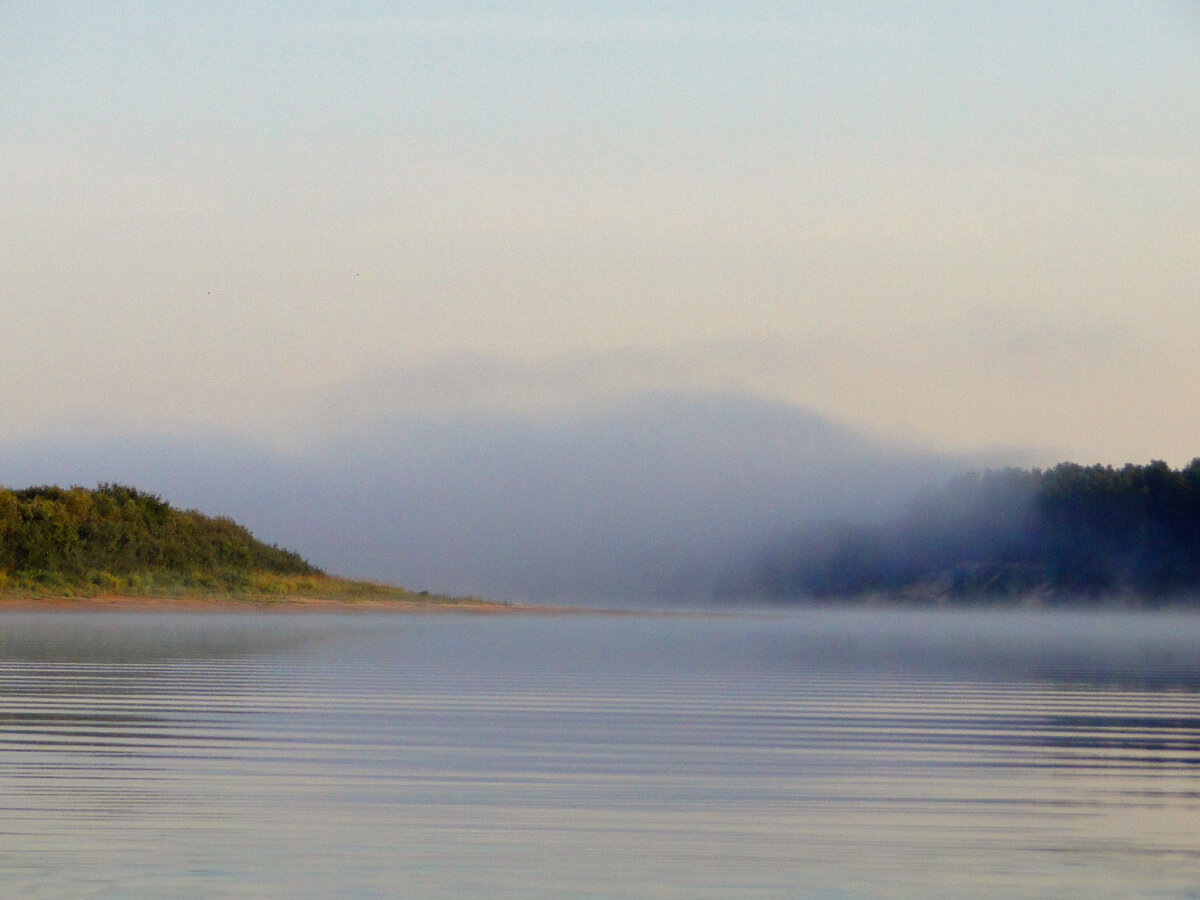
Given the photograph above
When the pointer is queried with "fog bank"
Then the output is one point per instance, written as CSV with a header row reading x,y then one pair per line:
x,y
649,498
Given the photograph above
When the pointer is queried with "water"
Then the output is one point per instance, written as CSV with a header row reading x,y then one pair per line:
x,y
816,754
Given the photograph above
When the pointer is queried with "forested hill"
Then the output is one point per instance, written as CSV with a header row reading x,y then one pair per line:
x,y
115,537
1067,533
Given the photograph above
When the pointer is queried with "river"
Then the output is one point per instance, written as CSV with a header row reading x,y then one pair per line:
x,y
809,753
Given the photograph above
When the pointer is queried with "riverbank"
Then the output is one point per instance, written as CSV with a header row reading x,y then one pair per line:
x,y
256,603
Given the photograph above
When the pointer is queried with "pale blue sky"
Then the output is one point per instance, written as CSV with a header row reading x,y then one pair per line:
x,y
964,225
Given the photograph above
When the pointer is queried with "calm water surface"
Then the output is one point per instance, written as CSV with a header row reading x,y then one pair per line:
x,y
814,754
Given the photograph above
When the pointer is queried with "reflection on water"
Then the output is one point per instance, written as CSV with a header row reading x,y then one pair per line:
x,y
830,753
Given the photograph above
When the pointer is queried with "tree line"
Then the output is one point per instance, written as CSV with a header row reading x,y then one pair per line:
x,y
103,537
1071,532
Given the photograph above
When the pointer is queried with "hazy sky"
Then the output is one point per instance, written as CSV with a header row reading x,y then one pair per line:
x,y
964,225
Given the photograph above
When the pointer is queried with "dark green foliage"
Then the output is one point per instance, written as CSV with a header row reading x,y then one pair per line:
x,y
1136,528
55,536
1071,532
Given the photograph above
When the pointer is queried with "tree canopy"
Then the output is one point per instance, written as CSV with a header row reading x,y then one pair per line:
x,y
1070,532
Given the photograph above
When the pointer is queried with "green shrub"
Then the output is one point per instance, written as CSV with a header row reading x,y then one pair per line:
x,y
117,538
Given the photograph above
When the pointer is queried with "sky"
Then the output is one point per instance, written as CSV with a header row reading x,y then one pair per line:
x,y
964,230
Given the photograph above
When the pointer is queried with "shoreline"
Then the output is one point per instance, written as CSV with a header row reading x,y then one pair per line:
x,y
283,604
261,603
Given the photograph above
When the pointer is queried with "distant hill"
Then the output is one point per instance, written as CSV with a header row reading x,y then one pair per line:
x,y
1070,533
119,538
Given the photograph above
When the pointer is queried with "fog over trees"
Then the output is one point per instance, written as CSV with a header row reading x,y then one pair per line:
x,y
654,497
664,497
1068,533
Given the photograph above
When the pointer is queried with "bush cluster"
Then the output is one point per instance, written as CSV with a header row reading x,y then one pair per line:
x,y
117,535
